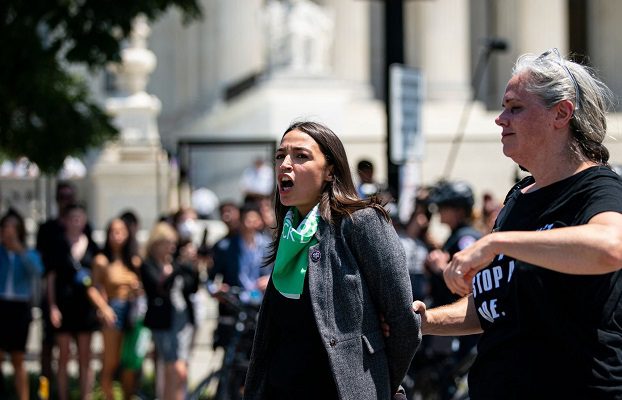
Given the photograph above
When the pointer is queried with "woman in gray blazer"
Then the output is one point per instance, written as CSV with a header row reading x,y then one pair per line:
x,y
339,269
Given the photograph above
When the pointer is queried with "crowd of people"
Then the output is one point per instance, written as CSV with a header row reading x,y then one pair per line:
x,y
347,289
138,297
135,295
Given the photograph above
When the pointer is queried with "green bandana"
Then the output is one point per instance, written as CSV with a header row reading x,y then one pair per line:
x,y
292,261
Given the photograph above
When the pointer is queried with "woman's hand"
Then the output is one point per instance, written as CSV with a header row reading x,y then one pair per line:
x,y
167,269
262,283
386,329
400,394
454,319
420,308
437,261
219,291
108,317
466,263
56,317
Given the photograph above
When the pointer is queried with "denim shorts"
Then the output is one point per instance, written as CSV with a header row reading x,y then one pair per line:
x,y
121,308
174,344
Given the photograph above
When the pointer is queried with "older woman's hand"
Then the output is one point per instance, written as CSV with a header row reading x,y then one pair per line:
x,y
420,308
466,263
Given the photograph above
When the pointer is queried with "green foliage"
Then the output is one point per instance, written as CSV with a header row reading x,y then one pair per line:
x,y
46,113
145,388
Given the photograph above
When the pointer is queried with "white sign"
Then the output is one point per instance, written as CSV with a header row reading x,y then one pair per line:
x,y
405,98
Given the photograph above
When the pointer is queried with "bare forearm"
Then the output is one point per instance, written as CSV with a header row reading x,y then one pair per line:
x,y
96,298
456,319
51,288
580,250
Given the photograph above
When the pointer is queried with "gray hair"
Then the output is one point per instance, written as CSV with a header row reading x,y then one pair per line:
x,y
554,78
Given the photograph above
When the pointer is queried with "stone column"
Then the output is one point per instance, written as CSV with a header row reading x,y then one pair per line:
x,y
351,49
541,25
439,35
604,46
531,26
132,173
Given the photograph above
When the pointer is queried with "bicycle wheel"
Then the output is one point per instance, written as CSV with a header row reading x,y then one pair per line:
x,y
206,389
235,383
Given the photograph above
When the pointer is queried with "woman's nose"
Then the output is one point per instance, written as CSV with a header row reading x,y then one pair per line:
x,y
286,164
501,120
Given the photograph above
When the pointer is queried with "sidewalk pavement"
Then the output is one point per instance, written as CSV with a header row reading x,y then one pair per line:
x,y
202,358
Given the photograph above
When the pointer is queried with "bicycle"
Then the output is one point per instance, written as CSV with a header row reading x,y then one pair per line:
x,y
439,376
227,383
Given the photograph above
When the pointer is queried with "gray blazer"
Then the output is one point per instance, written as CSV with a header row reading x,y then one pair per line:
x,y
357,271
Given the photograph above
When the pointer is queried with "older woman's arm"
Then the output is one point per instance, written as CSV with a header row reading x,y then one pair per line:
x,y
456,319
593,248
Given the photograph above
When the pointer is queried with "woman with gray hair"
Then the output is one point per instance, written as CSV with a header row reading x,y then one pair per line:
x,y
545,287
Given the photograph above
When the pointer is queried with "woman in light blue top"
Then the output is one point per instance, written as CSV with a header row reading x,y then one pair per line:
x,y
18,267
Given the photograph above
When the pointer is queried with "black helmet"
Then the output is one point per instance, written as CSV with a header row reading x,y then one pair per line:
x,y
453,194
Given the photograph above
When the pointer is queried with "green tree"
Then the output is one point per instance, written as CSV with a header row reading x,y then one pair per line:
x,y
46,112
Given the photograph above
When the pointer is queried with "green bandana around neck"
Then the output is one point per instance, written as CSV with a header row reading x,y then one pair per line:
x,y
292,261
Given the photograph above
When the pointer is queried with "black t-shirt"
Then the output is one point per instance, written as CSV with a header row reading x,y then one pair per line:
x,y
545,332
299,367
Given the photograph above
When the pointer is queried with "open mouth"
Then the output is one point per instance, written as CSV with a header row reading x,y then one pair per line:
x,y
286,184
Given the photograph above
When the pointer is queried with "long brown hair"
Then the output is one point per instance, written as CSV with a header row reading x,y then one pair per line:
x,y
20,226
339,198
129,249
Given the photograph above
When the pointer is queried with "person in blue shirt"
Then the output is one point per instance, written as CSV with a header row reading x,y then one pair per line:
x,y
238,260
19,266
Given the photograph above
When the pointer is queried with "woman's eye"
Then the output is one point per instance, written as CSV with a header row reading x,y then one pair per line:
x,y
514,110
279,157
302,156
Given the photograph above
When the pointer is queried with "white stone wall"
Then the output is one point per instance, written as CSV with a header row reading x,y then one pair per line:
x,y
604,41
351,50
196,62
440,39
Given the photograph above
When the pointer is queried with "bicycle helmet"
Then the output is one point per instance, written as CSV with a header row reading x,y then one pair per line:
x,y
452,194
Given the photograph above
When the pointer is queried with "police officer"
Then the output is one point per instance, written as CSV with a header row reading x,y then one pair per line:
x,y
454,202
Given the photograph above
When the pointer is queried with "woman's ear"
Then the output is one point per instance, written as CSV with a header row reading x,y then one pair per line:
x,y
564,112
328,174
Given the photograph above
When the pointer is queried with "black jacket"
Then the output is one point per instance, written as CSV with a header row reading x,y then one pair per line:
x,y
158,290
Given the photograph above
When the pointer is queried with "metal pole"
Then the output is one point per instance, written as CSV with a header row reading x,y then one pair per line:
x,y
478,75
394,53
